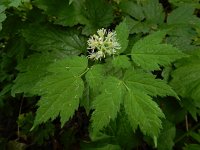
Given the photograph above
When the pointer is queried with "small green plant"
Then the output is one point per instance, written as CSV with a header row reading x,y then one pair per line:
x,y
108,74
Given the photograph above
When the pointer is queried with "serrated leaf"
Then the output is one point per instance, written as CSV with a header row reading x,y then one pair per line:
x,y
150,54
132,9
142,111
183,15
147,15
138,103
92,15
31,70
121,61
153,11
107,104
122,35
97,15
60,91
51,39
146,82
186,78
63,13
166,137
181,37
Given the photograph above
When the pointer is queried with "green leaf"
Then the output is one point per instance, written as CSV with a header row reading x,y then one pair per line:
x,y
195,136
186,78
182,37
137,101
153,11
191,106
192,147
132,9
142,111
64,13
95,76
92,15
97,15
166,137
61,90
121,61
150,54
2,15
147,83
31,70
183,15
138,27
122,35
183,2
51,39
146,15
107,104
20,45
11,3
123,132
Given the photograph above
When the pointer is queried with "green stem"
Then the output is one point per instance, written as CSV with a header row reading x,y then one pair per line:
x,y
187,133
84,72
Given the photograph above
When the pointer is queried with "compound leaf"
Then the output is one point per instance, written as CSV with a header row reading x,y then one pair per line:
x,y
149,53
60,91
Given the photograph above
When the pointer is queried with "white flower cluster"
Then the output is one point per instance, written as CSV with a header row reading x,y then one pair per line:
x,y
105,43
